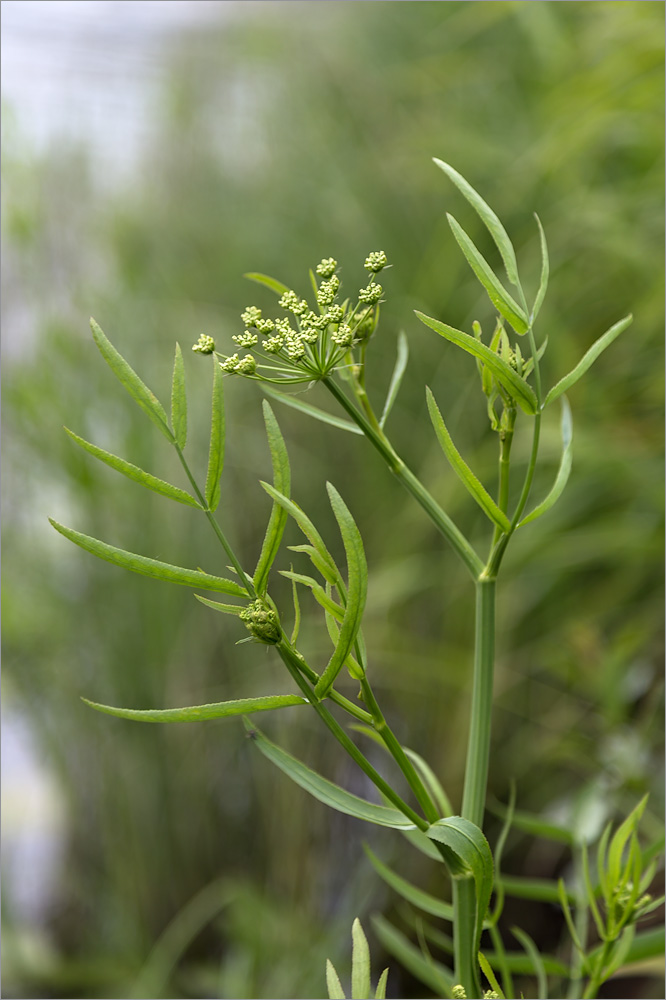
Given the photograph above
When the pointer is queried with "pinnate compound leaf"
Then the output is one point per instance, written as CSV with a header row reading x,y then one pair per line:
x,y
179,399
126,375
333,984
497,294
396,378
489,219
326,791
505,375
278,518
150,567
360,976
264,279
134,472
312,411
564,470
216,450
588,359
328,568
200,713
357,585
545,270
462,470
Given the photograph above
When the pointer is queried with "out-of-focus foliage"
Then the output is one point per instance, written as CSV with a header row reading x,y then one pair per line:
x,y
295,132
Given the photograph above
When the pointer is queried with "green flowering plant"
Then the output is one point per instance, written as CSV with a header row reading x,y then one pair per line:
x,y
327,341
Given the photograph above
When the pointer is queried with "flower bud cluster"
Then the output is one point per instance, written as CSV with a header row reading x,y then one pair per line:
x,y
375,261
204,345
262,622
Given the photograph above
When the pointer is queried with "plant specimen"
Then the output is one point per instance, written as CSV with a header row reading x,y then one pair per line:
x,y
327,340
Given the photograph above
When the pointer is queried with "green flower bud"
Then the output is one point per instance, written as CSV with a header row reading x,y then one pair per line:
x,y
262,622
335,313
246,339
375,261
289,300
229,364
265,325
327,267
371,294
328,290
246,366
367,322
204,345
343,336
251,316
458,992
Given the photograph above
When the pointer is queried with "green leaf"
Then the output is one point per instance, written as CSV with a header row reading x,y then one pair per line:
x,y
326,791
462,470
329,569
319,564
564,470
179,399
228,609
297,613
380,993
536,960
278,518
333,984
542,889
216,451
312,411
357,584
126,375
619,842
490,975
489,219
396,378
318,593
135,473
417,897
432,781
545,271
506,376
272,283
200,713
497,294
535,825
521,964
433,974
150,567
588,359
646,945
360,975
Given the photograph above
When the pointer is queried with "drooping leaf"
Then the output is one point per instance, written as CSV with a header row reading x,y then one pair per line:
x,y
357,584
564,470
588,359
512,382
264,279
179,399
326,791
545,270
433,974
126,375
333,984
417,897
134,472
227,609
216,449
329,569
200,713
360,975
498,295
150,567
396,378
278,518
462,470
312,411
489,219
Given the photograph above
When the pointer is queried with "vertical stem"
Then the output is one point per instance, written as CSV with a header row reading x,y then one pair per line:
x,y
478,745
465,962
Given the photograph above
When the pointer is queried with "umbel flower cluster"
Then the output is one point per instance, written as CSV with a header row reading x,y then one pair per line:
x,y
306,344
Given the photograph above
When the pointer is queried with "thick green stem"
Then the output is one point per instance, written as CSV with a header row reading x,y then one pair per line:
x,y
478,745
464,946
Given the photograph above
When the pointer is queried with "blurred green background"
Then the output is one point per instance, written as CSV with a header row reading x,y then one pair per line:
x,y
284,133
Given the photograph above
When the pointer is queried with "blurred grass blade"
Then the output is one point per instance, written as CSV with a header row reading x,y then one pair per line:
x,y
333,984
564,470
179,399
490,975
380,993
432,974
312,411
621,951
545,271
329,569
645,946
505,375
228,609
200,713
396,378
135,473
360,974
264,279
279,516
216,450
536,960
542,889
150,567
462,470
497,294
588,359
318,593
357,584
326,791
467,855
125,374
417,897
535,825
619,842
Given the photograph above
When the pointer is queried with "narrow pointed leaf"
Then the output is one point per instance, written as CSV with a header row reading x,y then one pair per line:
x,y
326,791
279,516
490,975
312,411
319,564
619,842
536,960
462,470
150,567
417,897
360,977
433,783
497,293
264,279
309,530
135,473
227,609
179,399
200,713
433,974
297,613
506,376
545,271
333,984
126,375
357,584
489,219
396,377
216,450
380,993
318,593
564,470
588,359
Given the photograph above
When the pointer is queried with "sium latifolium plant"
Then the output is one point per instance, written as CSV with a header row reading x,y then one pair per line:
x,y
326,338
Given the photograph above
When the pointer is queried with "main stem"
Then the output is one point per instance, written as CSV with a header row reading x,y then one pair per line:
x,y
478,744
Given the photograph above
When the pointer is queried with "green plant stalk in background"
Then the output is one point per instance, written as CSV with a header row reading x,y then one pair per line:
x,y
330,345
